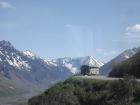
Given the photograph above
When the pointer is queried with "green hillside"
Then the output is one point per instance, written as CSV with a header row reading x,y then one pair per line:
x,y
128,67
78,91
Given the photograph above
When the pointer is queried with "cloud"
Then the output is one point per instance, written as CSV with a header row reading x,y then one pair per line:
x,y
134,28
132,32
6,5
131,35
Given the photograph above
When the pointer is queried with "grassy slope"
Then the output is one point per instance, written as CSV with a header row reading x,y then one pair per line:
x,y
78,91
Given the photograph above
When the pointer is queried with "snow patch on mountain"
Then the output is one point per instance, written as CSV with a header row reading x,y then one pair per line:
x,y
1,53
29,54
18,63
49,62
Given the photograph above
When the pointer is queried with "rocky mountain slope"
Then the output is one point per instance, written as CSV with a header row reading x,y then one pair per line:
x,y
106,68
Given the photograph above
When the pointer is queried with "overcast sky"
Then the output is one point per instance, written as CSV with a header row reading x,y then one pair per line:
x,y
71,28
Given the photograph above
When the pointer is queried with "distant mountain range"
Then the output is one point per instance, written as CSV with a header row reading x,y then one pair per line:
x,y
107,68
74,64
29,71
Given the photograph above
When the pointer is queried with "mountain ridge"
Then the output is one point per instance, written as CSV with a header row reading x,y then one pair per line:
x,y
106,68
130,66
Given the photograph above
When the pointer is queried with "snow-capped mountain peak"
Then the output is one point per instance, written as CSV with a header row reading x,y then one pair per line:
x,y
9,56
91,61
23,60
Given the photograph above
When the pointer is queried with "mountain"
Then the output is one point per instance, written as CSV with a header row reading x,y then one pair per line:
x,y
26,67
106,68
33,73
74,64
130,66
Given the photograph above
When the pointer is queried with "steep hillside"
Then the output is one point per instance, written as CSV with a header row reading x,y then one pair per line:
x,y
106,68
128,67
